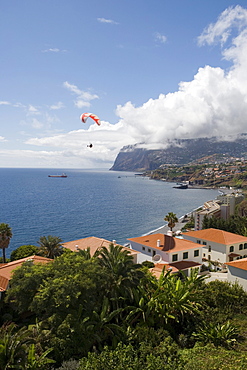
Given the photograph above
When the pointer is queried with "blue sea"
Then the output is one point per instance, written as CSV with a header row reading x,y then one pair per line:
x,y
106,204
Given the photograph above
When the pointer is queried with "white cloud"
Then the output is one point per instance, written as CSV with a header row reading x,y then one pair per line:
x,y
57,106
2,139
104,20
221,30
160,38
4,103
33,110
54,50
83,97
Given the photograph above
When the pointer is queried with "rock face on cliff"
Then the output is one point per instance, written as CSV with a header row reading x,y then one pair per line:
x,y
180,152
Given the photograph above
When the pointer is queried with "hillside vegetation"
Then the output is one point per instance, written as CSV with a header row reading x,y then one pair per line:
x,y
105,312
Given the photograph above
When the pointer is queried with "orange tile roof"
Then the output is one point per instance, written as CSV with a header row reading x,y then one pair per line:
x,y
93,243
4,282
167,243
240,264
217,236
158,267
7,269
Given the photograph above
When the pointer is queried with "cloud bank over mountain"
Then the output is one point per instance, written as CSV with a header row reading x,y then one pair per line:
x,y
213,103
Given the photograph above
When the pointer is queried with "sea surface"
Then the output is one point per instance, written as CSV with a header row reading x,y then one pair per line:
x,y
106,204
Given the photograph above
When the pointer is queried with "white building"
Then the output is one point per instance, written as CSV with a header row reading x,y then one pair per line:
x,y
237,272
163,249
218,245
223,208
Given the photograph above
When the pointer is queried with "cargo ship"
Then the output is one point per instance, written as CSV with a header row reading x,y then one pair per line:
x,y
63,175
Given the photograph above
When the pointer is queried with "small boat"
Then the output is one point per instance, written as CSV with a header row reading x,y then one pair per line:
x,y
63,175
181,186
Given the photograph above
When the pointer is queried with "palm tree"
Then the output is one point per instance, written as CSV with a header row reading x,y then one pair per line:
x,y
122,274
50,246
5,236
171,218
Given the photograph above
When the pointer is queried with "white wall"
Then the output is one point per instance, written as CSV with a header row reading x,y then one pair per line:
x,y
167,256
235,274
219,252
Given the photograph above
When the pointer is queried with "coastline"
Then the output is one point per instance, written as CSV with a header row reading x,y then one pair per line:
x,y
178,226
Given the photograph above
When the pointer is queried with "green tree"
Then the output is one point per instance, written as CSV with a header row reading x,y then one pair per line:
x,y
50,246
121,274
242,208
13,345
62,295
171,218
5,236
174,300
23,251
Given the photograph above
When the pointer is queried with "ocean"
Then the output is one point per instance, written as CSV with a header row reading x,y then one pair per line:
x,y
106,204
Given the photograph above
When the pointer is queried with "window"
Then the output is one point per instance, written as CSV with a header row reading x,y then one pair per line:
x,y
185,255
209,257
196,253
245,245
198,241
231,248
143,248
154,253
204,254
204,243
209,248
174,257
240,247
149,250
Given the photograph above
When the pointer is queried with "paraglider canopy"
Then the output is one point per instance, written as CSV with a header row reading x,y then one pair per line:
x,y
85,116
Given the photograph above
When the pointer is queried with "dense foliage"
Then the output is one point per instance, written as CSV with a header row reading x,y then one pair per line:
x,y
23,251
105,312
235,224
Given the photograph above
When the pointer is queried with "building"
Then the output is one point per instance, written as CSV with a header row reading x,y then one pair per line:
x,y
209,209
7,269
222,207
237,272
218,245
173,252
94,244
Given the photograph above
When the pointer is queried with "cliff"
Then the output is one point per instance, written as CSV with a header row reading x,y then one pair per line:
x,y
179,152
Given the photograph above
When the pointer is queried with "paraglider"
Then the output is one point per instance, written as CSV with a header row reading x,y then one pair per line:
x,y
85,116
96,119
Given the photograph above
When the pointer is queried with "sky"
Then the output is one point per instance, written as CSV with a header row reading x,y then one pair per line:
x,y
151,70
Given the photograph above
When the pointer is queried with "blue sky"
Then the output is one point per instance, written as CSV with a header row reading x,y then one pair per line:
x,y
152,70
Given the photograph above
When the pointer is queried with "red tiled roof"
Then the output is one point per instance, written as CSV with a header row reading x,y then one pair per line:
x,y
158,268
240,264
217,236
175,267
4,282
7,269
167,243
93,243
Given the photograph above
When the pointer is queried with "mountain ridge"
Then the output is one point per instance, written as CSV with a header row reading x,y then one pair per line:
x,y
179,152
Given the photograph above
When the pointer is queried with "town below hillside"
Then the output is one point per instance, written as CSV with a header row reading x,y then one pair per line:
x,y
206,172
